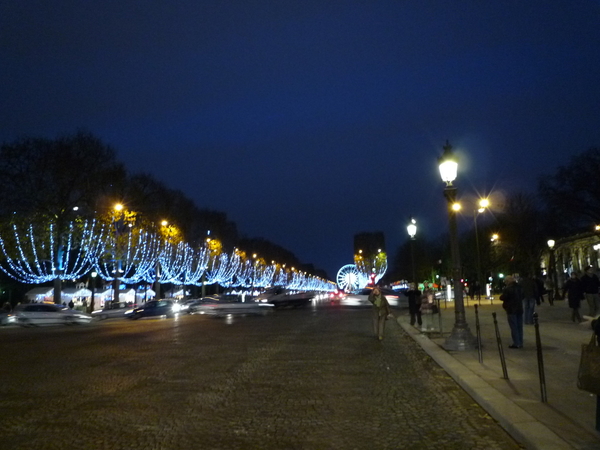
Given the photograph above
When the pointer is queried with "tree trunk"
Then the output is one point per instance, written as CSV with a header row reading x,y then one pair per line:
x,y
57,291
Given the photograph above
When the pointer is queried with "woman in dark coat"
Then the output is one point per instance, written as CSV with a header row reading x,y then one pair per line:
x,y
574,292
414,304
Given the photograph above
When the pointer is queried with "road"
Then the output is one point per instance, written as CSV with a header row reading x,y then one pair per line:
x,y
313,378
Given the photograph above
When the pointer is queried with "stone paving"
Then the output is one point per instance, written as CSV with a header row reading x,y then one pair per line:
x,y
296,379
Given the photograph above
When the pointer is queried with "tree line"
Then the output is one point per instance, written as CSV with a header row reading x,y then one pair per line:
x,y
78,176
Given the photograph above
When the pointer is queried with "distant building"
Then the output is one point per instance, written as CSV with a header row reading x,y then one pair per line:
x,y
573,253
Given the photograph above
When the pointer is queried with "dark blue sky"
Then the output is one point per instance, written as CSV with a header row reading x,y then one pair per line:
x,y
310,121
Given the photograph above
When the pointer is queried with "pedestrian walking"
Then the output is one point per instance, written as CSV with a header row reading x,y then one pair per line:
x,y
381,309
414,304
512,302
540,290
477,290
590,284
530,297
71,304
573,288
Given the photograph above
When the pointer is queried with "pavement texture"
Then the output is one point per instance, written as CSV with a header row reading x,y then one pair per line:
x,y
314,378
567,420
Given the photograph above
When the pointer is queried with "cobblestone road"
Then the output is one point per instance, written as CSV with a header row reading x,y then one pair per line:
x,y
297,379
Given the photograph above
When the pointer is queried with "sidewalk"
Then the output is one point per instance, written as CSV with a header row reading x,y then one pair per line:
x,y
567,420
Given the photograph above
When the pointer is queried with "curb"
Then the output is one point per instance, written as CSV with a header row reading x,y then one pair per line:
x,y
521,425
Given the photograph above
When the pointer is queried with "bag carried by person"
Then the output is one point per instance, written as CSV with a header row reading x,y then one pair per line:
x,y
588,377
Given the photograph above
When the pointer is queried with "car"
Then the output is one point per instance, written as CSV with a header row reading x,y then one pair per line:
x,y
226,305
337,295
281,297
153,308
48,314
186,305
112,310
7,318
361,298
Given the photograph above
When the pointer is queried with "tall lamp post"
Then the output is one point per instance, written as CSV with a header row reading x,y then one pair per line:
x,y
93,276
552,270
119,224
461,337
412,232
483,204
254,256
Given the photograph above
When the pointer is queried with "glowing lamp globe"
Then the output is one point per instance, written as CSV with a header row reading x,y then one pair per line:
x,y
448,164
412,228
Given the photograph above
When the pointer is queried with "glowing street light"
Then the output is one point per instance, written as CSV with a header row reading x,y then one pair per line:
x,y
412,232
461,337
552,293
483,204
118,207
93,276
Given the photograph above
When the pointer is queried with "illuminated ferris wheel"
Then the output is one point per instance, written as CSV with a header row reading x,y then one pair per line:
x,y
348,278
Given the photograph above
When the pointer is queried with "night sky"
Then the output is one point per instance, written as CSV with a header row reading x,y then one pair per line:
x,y
310,121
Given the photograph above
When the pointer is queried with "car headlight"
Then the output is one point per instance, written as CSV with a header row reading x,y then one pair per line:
x,y
176,308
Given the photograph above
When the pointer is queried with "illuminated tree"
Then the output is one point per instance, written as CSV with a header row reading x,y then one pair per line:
x,y
281,276
243,277
130,252
370,267
31,255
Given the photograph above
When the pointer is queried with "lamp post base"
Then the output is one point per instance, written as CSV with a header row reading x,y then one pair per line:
x,y
460,339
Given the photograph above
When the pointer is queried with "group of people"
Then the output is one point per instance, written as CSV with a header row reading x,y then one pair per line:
x,y
519,300
585,287
417,302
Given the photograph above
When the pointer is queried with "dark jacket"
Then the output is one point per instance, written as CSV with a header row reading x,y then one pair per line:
x,y
590,283
414,300
573,288
529,286
512,299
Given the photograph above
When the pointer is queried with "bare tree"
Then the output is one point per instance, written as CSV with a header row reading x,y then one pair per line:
x,y
573,193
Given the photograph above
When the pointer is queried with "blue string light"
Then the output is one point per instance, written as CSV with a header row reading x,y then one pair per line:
x,y
31,258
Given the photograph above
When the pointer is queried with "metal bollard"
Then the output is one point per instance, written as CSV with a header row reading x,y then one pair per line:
x,y
439,315
500,349
597,412
478,329
540,358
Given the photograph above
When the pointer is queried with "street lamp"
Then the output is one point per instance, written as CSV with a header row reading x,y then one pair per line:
x,y
118,223
93,275
552,270
461,337
483,204
254,256
412,232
